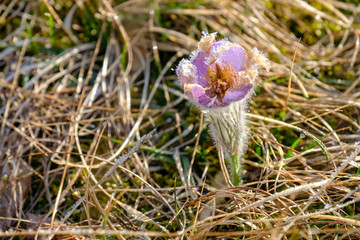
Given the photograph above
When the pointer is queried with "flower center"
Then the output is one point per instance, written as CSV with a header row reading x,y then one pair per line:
x,y
219,80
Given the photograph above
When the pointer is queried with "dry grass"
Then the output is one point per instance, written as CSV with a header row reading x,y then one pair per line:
x,y
82,82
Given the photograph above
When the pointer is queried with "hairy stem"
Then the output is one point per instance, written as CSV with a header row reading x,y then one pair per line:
x,y
229,130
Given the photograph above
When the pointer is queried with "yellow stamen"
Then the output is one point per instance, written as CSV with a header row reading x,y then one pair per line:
x,y
220,79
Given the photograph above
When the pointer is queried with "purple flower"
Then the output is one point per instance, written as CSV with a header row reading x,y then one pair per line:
x,y
219,72
220,78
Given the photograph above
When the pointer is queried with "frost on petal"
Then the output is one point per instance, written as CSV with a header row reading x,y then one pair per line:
x,y
206,42
237,94
248,76
258,59
186,72
221,45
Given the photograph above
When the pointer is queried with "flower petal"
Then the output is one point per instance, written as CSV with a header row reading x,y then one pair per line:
x,y
197,94
235,56
237,94
201,68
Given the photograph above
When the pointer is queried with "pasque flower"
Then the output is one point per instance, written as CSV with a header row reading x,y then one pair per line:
x,y
219,78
